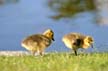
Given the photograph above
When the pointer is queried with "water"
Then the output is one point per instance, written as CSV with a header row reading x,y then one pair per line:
x,y
32,16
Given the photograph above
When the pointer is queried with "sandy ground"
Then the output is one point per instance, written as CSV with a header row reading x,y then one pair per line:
x,y
14,53
18,53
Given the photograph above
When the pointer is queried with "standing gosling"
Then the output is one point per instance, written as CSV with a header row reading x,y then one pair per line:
x,y
38,42
76,40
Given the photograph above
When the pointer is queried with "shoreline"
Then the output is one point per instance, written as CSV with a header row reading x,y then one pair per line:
x,y
24,53
14,53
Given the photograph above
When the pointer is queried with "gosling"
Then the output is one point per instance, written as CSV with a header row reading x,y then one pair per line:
x,y
38,42
76,40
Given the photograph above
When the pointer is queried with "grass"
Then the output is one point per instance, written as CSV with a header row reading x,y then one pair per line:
x,y
55,62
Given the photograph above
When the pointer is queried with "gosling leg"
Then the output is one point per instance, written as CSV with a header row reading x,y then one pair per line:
x,y
75,52
33,53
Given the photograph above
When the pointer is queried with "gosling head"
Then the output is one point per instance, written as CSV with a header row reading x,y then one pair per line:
x,y
88,41
49,33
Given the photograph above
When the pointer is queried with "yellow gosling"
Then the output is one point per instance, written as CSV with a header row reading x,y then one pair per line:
x,y
38,42
76,40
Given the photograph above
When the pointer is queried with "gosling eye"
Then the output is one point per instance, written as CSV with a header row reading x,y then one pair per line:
x,y
89,42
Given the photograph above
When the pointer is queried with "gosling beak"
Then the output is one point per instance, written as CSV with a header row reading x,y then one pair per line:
x,y
92,45
53,39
